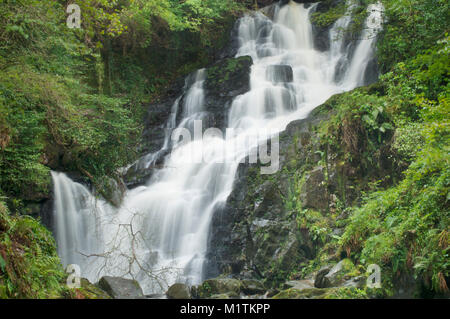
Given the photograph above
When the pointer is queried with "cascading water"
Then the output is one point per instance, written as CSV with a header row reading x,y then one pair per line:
x,y
160,233
363,53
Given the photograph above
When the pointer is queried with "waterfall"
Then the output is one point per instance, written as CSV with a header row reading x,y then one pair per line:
x,y
160,233
363,53
76,223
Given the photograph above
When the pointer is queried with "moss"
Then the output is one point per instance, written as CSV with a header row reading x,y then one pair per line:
x,y
346,293
88,291
327,18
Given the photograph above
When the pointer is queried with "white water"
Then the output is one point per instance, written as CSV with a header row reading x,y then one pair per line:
x,y
159,235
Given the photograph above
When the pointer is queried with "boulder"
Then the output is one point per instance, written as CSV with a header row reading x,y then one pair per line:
x,y
356,282
90,291
218,286
252,287
121,288
319,281
178,291
299,284
340,274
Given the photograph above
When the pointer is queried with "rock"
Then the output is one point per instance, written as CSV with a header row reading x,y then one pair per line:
x,y
221,296
272,292
322,293
319,281
356,282
309,293
279,73
90,291
314,192
121,288
322,33
218,286
225,80
156,296
179,291
337,275
252,287
299,284
112,190
338,231
154,134
372,72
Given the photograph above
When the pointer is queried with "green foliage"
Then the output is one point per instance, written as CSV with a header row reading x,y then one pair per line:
x,y
359,129
29,265
412,27
405,228
327,18
402,120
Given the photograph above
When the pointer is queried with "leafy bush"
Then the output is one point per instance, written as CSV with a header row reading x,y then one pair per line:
x,y
412,27
29,265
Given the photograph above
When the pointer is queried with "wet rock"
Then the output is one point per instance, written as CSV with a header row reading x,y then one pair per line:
x,y
356,282
225,80
299,284
252,287
121,288
156,296
314,191
112,190
372,72
179,291
254,229
157,115
339,274
319,281
336,275
279,73
231,49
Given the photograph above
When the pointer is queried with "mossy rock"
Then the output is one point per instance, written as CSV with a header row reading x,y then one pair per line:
x,y
337,275
342,271
310,293
322,293
178,291
252,287
219,286
90,291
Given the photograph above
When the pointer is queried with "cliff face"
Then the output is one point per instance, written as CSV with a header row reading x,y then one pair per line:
x,y
259,233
